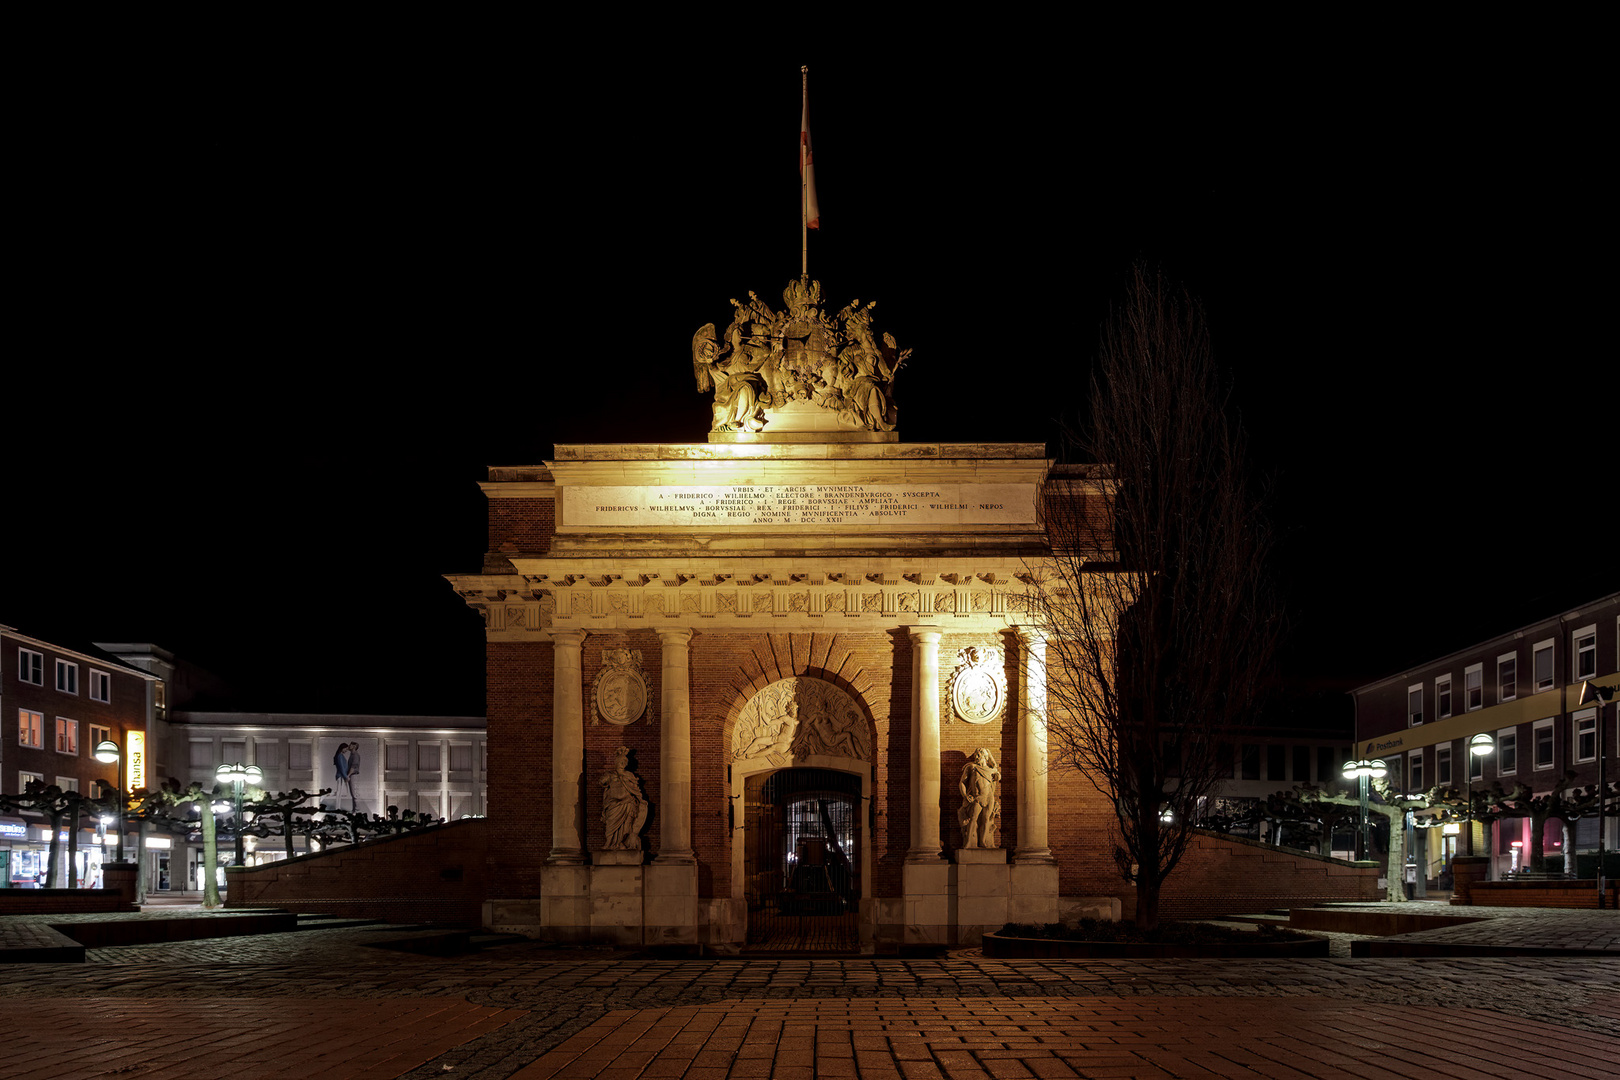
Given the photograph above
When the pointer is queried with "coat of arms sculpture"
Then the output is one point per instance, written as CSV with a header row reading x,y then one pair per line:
x,y
621,688
801,360
979,686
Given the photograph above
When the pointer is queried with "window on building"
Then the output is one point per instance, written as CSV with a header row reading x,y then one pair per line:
x,y
232,751
1442,765
30,728
1474,686
1223,760
99,733
30,667
1586,735
1585,650
1507,752
1277,763
1544,744
1543,665
1414,705
67,736
299,755
1324,764
1251,761
1442,697
160,700
1302,764
1476,764
461,757
1507,677
26,778
397,757
430,802
100,685
1414,770
68,783
202,754
67,676
427,757
267,753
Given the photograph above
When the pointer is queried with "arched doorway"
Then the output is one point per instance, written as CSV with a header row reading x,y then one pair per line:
x,y
802,859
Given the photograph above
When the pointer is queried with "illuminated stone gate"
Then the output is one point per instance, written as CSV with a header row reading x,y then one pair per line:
x,y
668,624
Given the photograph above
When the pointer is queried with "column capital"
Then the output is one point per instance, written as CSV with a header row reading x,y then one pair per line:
x,y
927,634
567,636
1030,635
673,635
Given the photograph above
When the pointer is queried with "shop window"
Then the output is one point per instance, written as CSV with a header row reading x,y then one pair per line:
x,y
1586,735
100,686
1543,732
1442,765
1442,697
67,677
30,728
67,736
1507,677
30,667
1542,663
1474,686
1585,640
1507,752
1414,705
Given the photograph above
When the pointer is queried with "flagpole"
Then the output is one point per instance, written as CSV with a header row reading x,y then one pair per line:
x,y
804,184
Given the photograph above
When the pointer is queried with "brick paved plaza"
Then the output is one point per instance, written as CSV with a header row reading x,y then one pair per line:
x,y
350,1002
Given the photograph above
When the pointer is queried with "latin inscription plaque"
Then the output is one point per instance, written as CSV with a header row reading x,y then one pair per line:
x,y
887,505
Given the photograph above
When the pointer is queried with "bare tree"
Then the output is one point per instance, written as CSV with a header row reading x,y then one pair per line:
x,y
1159,638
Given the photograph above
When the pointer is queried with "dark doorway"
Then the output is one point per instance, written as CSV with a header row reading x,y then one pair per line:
x,y
802,860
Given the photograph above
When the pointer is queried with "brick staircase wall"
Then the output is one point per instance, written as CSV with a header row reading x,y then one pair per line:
x,y
439,875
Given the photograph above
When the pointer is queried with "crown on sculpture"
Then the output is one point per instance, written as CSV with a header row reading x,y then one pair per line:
x,y
798,369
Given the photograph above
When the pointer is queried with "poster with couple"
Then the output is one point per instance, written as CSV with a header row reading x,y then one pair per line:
x,y
349,767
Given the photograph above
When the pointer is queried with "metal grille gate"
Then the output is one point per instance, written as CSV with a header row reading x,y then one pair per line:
x,y
803,860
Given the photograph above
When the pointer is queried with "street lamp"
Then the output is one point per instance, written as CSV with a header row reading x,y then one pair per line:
x,y
1478,747
1593,694
108,752
239,776
1365,771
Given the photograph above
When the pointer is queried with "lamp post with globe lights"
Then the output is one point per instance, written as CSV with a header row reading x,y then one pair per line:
x,y
107,752
240,777
1478,747
1365,771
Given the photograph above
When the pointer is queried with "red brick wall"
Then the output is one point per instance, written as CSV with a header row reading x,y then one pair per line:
x,y
438,875
518,701
521,526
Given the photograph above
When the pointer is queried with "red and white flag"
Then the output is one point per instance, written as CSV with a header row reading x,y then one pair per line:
x,y
807,169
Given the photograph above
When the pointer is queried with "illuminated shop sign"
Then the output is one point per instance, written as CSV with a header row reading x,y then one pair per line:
x,y
137,761
13,830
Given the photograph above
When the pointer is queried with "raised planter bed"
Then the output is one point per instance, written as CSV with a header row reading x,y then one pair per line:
x,y
1001,947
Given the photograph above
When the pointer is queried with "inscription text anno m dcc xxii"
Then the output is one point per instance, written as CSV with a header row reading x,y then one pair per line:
x,y
799,504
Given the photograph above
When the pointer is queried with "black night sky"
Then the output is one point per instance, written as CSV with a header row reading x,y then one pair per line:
x,y
281,313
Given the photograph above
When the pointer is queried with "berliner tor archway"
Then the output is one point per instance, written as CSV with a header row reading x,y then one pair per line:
x,y
801,764
777,686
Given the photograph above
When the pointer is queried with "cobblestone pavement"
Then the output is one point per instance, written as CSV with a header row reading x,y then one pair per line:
x,y
622,1014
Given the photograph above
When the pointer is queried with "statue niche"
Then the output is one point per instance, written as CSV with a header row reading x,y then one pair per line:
x,y
769,364
980,812
798,718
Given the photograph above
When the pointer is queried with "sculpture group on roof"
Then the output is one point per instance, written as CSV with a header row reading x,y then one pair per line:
x,y
768,360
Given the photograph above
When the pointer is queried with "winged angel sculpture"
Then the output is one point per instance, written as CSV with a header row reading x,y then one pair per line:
x,y
768,360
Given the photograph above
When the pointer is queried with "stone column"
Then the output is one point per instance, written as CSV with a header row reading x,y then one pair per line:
x,y
925,844
567,749
675,750
1032,763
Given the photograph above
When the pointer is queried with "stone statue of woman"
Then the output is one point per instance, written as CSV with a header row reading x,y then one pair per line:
x,y
624,807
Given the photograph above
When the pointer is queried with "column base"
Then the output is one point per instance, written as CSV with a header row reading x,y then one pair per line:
x,y
566,857
1035,856
925,857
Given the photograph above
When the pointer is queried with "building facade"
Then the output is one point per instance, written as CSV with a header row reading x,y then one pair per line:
x,y
59,703
1522,688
